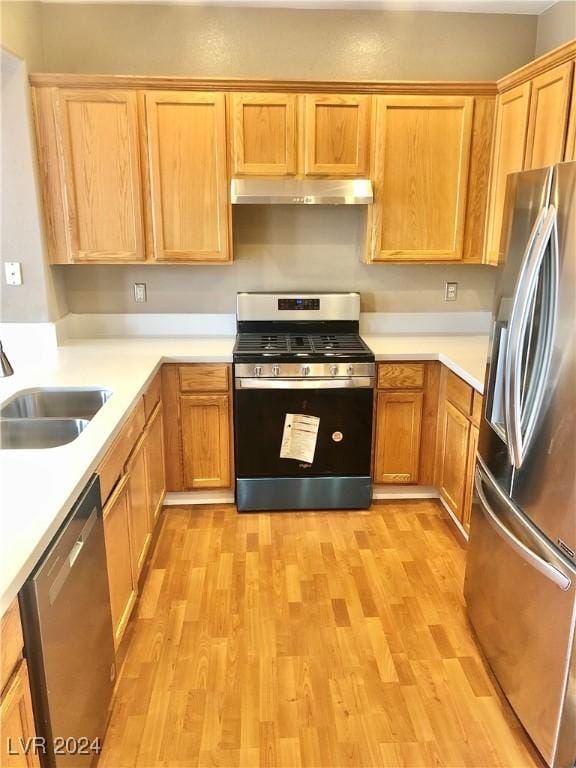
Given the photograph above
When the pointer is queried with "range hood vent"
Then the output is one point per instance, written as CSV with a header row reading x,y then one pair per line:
x,y
301,191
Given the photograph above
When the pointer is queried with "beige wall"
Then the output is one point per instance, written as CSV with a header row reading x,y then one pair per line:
x,y
283,43
21,32
41,297
557,25
282,248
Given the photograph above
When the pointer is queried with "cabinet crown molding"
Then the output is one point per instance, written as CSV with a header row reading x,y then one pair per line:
x,y
139,82
560,55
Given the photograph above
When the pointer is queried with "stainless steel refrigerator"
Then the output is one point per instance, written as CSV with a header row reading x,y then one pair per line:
x,y
520,585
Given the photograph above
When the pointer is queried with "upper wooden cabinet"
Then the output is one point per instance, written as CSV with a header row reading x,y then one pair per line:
x,y
549,104
570,151
97,134
336,135
420,175
507,157
263,134
186,137
280,134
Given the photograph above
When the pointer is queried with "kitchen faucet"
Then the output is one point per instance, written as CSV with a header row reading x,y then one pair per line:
x,y
5,367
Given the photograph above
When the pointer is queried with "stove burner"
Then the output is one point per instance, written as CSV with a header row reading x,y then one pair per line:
x,y
286,344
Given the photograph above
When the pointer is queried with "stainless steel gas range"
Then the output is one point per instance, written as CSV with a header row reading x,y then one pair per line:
x,y
303,390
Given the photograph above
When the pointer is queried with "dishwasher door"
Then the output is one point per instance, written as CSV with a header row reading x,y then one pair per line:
x,y
68,637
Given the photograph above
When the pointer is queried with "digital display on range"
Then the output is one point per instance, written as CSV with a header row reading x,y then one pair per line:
x,y
291,304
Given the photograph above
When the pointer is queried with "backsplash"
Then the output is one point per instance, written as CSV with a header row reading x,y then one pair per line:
x,y
282,248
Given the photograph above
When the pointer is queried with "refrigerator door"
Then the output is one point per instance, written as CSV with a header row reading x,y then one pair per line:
x,y
544,486
521,598
526,205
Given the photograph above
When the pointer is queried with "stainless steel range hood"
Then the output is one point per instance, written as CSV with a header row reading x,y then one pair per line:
x,y
301,191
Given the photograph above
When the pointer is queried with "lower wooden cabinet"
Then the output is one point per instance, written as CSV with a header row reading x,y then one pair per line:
x,y
398,426
459,414
205,440
470,470
140,526
155,469
405,423
121,579
455,436
197,426
17,722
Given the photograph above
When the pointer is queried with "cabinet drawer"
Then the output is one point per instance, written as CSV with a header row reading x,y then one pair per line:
x,y
204,378
401,375
11,642
152,396
477,401
459,393
112,465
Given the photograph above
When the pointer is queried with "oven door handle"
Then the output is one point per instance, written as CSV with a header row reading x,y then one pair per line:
x,y
354,382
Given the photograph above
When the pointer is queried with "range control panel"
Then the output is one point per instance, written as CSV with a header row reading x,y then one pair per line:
x,y
296,303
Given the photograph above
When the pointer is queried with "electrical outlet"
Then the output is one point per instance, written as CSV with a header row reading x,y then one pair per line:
x,y
451,292
13,273
140,292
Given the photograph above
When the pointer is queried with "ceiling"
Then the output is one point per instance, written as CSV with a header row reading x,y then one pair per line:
x,y
534,7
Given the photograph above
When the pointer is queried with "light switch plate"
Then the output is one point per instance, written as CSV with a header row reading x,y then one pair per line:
x,y
139,292
13,273
451,292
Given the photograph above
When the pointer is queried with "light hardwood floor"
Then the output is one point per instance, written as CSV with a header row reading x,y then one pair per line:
x,y
307,639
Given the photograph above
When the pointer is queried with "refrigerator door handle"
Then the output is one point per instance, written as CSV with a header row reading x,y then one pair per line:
x,y
543,231
542,566
510,435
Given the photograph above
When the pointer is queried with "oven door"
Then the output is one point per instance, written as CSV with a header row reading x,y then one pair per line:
x,y
344,438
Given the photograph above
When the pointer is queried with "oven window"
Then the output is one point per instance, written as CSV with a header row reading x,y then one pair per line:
x,y
344,441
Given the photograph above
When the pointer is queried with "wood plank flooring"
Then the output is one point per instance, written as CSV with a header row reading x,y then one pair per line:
x,y
316,639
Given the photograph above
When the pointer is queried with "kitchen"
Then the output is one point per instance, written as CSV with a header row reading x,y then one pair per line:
x,y
286,345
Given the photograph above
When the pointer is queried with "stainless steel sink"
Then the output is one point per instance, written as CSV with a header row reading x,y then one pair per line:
x,y
55,403
39,433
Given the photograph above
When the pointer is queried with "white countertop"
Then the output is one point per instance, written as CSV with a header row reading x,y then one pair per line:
x,y
39,487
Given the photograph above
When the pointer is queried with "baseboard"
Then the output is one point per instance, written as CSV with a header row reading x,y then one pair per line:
x,y
455,520
381,492
174,499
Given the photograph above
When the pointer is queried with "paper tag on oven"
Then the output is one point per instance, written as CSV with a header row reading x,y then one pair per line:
x,y
299,437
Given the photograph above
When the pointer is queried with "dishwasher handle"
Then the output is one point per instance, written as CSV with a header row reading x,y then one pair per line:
x,y
71,557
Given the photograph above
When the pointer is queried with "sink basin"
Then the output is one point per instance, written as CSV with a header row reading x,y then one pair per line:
x,y
39,433
55,403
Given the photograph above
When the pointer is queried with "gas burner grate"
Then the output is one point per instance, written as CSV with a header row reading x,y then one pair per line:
x,y
342,343
262,342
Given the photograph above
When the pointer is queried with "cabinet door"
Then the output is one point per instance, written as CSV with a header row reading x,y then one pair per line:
x,y
548,117
140,528
264,134
470,469
422,156
398,426
454,462
186,135
206,440
155,464
507,157
98,132
121,578
336,135
17,722
570,151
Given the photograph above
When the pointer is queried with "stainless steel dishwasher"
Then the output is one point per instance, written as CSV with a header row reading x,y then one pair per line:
x,y
68,638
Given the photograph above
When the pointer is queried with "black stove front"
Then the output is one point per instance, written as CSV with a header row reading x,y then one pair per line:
x,y
303,417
